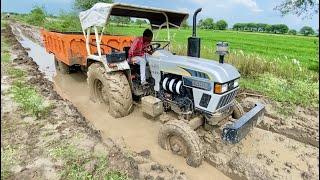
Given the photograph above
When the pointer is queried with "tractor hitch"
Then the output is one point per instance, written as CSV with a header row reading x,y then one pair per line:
x,y
236,131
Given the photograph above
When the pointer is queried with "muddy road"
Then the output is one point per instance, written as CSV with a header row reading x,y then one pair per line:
x,y
61,143
134,132
280,148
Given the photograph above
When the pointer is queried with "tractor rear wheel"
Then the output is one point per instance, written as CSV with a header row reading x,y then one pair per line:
x,y
178,137
98,83
120,96
238,111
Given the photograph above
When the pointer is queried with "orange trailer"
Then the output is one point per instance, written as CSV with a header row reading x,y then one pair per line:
x,y
70,48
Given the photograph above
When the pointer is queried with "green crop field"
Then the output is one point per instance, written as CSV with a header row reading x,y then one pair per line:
x,y
268,46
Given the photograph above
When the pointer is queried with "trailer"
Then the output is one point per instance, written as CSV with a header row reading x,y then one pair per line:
x,y
69,48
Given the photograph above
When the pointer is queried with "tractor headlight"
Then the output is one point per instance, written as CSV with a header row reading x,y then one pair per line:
x,y
236,83
220,88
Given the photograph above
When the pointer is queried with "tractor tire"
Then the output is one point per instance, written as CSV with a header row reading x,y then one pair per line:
x,y
120,96
178,137
98,83
64,69
238,111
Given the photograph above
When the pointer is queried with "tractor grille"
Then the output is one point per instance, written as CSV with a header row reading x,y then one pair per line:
x,y
226,99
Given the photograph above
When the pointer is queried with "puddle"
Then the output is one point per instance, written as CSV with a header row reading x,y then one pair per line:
x,y
44,60
138,132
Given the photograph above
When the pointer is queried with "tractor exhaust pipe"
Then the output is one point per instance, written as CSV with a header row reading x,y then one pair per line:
x,y
194,41
194,27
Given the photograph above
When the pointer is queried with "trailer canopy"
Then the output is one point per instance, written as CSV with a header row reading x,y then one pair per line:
x,y
99,14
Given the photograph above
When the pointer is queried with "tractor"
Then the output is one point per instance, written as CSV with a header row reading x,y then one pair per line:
x,y
201,92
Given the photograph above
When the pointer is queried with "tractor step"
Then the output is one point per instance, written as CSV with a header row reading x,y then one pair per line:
x,y
233,133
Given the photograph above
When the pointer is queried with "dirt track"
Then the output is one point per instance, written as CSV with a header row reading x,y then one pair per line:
x,y
282,148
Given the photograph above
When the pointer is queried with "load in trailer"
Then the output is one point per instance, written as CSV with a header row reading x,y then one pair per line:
x,y
200,91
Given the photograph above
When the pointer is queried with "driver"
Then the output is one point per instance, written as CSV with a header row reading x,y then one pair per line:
x,y
138,53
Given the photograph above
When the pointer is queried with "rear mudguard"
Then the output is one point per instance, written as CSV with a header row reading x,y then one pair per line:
x,y
233,133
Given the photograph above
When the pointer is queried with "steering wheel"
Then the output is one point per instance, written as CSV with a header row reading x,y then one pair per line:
x,y
153,46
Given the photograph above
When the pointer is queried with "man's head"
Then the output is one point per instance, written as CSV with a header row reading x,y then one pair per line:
x,y
147,35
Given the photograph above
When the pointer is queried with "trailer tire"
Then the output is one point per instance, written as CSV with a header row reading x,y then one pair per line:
x,y
98,83
64,69
56,64
178,137
238,111
120,96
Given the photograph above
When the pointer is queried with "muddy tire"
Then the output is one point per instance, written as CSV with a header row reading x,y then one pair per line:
x,y
120,96
237,110
98,83
178,137
56,64
63,68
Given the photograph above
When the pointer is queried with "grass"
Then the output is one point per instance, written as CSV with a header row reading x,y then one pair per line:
x,y
268,46
5,55
284,91
16,73
75,160
7,161
29,99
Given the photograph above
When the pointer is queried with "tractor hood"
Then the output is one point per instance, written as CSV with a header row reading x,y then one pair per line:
x,y
195,67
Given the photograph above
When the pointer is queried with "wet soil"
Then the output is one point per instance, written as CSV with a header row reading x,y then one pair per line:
x,y
281,147
28,143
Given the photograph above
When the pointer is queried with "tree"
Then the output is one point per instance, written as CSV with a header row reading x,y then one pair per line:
x,y
305,8
292,32
87,4
140,22
206,23
282,28
185,24
221,25
269,28
306,30
37,16
261,27
120,20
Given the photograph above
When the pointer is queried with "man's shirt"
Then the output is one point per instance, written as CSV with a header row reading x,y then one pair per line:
x,y
136,48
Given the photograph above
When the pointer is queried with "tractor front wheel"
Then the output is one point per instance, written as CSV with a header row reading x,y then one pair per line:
x,y
178,137
238,111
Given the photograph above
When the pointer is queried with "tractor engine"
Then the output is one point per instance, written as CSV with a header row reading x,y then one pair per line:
x,y
176,96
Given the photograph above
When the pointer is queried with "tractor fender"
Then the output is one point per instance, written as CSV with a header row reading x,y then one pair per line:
x,y
121,66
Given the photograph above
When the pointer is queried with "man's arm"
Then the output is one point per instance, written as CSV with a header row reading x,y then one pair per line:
x,y
133,48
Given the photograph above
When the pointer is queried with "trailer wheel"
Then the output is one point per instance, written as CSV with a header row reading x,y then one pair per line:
x,y
56,64
64,69
178,137
238,111
120,96
98,83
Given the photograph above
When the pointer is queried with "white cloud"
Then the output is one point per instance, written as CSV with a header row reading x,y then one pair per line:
x,y
251,4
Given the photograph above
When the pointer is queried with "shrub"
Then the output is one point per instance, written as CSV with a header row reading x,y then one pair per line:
x,y
37,16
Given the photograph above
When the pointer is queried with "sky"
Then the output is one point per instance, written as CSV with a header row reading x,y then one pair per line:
x,y
233,11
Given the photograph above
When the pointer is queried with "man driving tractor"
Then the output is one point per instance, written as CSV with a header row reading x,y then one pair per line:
x,y
138,52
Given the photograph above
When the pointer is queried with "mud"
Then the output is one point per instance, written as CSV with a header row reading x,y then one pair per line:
x,y
28,143
301,125
281,147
